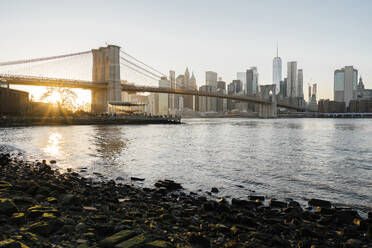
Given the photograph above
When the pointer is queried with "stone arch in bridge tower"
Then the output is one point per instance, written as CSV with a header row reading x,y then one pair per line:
x,y
268,110
106,70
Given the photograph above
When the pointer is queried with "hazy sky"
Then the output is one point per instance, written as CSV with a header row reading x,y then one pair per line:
x,y
223,36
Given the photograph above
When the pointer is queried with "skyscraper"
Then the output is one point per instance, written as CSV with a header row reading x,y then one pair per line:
x,y
221,105
242,76
211,80
300,83
251,81
277,71
345,84
292,79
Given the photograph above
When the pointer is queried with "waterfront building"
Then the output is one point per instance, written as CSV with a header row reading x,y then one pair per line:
x,y
363,93
292,79
277,71
300,83
13,102
327,106
345,84
251,81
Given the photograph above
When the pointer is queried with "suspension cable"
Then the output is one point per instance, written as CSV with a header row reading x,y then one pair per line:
x,y
157,79
140,67
152,68
42,59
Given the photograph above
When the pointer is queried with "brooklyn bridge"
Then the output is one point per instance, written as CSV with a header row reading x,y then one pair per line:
x,y
106,83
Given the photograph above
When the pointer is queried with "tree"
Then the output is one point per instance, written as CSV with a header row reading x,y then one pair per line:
x,y
65,98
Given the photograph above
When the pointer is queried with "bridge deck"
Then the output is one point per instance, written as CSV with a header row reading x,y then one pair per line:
x,y
68,83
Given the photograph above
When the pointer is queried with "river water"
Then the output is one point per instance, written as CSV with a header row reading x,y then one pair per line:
x,y
279,158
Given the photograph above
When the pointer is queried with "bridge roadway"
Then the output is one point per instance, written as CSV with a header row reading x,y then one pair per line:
x,y
68,83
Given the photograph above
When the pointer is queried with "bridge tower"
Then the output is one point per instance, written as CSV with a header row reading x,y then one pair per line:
x,y
106,70
268,110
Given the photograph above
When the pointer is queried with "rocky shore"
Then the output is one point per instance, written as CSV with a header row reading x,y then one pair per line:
x,y
43,207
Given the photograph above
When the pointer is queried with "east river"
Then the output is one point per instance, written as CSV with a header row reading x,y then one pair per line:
x,y
279,158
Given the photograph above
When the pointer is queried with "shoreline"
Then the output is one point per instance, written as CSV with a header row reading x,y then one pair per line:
x,y
40,206
61,121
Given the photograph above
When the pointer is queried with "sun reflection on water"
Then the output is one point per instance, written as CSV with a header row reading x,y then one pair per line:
x,y
53,147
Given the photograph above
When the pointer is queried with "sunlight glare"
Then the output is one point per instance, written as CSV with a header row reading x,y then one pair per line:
x,y
53,144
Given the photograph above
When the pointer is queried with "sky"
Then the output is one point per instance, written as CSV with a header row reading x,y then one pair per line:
x,y
222,36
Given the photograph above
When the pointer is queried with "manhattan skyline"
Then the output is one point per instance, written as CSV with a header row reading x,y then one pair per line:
x,y
208,36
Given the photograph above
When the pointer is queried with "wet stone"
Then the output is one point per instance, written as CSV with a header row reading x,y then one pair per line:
x,y
277,204
319,203
7,206
353,243
132,242
256,197
116,238
38,210
18,218
5,185
214,190
159,244
137,179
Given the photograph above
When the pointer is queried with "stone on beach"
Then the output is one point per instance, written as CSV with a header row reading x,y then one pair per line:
x,y
319,203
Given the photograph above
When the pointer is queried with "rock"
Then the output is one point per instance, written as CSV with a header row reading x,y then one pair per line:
x,y
44,228
319,203
44,167
51,199
159,244
137,179
294,204
277,204
168,184
7,206
244,203
81,227
116,238
18,218
5,185
353,243
38,210
67,199
214,190
8,243
256,197
132,242
346,216
119,179
198,241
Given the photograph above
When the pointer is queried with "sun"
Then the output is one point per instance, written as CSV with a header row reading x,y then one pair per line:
x,y
55,97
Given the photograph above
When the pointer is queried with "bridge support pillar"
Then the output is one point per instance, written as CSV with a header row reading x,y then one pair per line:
x,y
106,70
268,110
